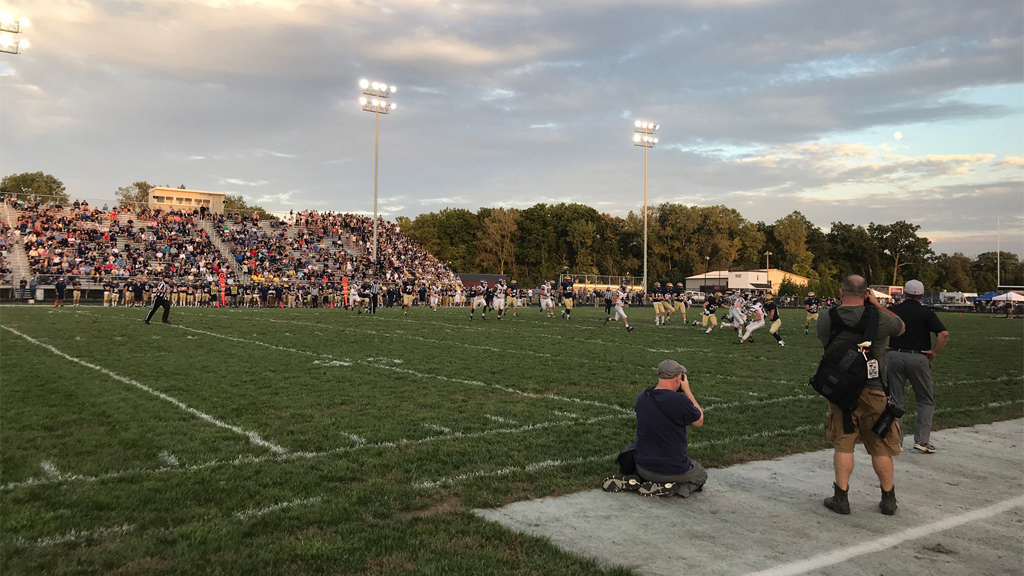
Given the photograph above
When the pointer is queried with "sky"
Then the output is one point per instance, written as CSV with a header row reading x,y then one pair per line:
x,y
854,111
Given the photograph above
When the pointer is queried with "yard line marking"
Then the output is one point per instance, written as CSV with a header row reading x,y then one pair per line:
x,y
357,439
499,387
257,342
169,459
244,460
332,363
565,414
891,541
49,469
758,402
403,334
75,536
252,436
255,512
546,464
500,420
437,428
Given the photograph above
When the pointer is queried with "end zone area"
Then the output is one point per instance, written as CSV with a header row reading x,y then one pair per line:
x,y
298,441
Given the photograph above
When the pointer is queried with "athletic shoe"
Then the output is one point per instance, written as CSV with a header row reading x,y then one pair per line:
x,y
782,343
166,322
805,331
651,489
737,341
620,483
146,321
925,447
629,328
607,320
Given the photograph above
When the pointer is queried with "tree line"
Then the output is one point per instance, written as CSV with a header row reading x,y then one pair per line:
x,y
545,240
540,242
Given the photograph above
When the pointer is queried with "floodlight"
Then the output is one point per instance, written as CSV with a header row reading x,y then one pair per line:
x,y
24,45
392,89
393,105
364,84
6,40
24,22
362,101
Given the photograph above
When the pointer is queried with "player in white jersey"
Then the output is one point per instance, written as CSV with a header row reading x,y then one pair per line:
x,y
620,298
435,296
498,302
737,318
546,302
353,297
756,323
480,301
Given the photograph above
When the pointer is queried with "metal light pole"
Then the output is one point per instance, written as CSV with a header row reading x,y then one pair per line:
x,y
767,269
378,93
644,137
8,26
707,261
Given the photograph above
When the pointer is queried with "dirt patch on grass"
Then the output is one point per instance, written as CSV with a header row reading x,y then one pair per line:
x,y
443,505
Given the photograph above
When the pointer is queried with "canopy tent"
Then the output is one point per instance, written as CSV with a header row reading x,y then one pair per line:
x,y
880,295
988,295
1011,296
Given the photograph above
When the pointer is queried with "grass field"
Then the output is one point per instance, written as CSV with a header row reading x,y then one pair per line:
x,y
320,441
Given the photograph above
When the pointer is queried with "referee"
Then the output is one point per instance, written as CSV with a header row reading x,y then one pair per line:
x,y
161,298
909,359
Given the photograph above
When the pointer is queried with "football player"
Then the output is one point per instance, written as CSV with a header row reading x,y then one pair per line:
x,y
568,296
513,299
479,300
677,301
546,303
620,299
757,321
813,305
658,301
408,291
708,315
771,314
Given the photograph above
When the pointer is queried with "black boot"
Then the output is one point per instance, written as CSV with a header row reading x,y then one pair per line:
x,y
840,503
888,504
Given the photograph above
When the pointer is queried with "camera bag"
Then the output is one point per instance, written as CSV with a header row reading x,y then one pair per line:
x,y
843,372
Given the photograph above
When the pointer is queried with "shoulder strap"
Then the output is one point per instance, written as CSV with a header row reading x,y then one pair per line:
x,y
649,393
836,325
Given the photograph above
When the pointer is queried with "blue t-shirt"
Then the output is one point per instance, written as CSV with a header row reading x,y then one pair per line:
x,y
661,441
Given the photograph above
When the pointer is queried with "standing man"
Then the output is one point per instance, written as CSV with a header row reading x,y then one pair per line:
x,y
408,293
855,300
910,356
812,304
60,287
161,299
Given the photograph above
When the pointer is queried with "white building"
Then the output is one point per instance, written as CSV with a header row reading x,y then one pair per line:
x,y
753,280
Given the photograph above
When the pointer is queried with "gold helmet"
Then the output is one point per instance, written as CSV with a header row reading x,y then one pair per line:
x,y
769,297
657,284
669,285
811,293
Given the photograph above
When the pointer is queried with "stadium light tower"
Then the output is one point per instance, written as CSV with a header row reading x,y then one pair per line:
x,y
644,137
374,99
8,26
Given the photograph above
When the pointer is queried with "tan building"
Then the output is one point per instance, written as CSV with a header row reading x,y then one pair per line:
x,y
753,280
186,200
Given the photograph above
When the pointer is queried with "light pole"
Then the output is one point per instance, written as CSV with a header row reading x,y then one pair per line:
x,y
378,92
644,137
767,269
707,260
8,26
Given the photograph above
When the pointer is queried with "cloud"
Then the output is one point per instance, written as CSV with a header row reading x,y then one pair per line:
x,y
547,126
239,182
497,94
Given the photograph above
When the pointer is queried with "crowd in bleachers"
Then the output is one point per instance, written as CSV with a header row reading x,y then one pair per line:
x,y
7,241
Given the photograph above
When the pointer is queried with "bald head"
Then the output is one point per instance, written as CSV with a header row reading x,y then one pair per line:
x,y
854,289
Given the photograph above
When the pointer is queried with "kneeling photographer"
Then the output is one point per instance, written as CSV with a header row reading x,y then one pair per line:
x,y
661,466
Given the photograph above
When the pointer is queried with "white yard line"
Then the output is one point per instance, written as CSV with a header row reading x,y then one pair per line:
x,y
437,428
256,512
833,557
49,469
75,536
499,419
169,459
252,436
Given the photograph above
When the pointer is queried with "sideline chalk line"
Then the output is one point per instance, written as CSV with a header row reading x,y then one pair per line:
x,y
252,436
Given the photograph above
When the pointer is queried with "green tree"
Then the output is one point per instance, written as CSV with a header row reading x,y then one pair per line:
x,y
497,239
136,194
900,244
954,273
236,204
985,266
791,233
34,187
855,251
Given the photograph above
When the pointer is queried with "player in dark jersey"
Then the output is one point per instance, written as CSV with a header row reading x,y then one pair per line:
x,y
813,305
658,301
568,297
771,314
710,306
473,296
408,291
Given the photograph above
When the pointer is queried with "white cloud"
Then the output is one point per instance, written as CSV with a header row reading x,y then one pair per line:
x,y
497,94
548,126
239,182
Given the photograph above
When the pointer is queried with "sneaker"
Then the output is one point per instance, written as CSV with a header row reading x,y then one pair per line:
x,y
629,328
652,489
620,483
781,343
925,447
166,322
146,321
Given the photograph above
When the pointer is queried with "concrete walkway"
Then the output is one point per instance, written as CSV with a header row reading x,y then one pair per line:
x,y
961,512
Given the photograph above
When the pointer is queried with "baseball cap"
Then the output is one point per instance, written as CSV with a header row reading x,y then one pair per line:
x,y
914,288
669,369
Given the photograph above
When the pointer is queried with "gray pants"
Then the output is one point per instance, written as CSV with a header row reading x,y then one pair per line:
x,y
691,481
904,366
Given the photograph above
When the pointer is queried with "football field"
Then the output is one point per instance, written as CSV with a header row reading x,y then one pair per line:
x,y
322,441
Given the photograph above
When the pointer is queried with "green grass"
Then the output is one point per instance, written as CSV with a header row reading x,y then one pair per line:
x,y
394,430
